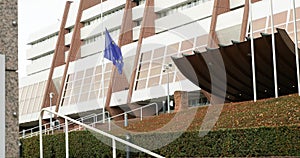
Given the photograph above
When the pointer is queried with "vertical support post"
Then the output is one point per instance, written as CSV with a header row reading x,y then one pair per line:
x,y
51,123
109,127
252,53
94,121
2,106
67,138
103,71
23,133
156,109
125,120
164,107
296,45
168,89
274,51
41,136
127,147
141,114
114,148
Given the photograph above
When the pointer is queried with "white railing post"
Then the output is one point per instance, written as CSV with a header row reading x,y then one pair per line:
x,y
141,114
114,148
94,121
67,137
125,120
109,127
41,136
156,109
23,133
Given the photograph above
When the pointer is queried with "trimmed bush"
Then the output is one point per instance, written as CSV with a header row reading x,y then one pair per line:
x,y
263,141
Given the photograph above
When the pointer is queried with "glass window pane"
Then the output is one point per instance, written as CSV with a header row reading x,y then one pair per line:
x,y
74,100
41,88
93,95
159,52
71,77
141,84
85,88
171,49
146,56
83,97
144,66
188,44
76,90
202,41
66,101
143,74
87,80
108,67
79,75
155,71
165,78
34,91
25,89
89,72
153,81
96,85
157,62
98,69
107,75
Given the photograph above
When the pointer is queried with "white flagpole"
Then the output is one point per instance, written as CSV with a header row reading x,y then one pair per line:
x,y
296,45
274,51
103,71
252,53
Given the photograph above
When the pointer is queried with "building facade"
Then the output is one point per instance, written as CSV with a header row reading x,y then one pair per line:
x,y
67,60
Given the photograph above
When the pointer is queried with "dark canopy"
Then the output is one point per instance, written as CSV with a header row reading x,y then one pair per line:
x,y
228,70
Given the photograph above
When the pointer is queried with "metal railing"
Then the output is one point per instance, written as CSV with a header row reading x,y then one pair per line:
x,y
131,111
48,129
114,138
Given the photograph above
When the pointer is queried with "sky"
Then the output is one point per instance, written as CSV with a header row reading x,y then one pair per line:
x,y
34,15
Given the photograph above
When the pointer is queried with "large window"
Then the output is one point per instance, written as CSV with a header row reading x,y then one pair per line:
x,y
86,85
31,98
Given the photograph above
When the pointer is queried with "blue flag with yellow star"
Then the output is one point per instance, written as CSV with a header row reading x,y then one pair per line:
x,y
112,52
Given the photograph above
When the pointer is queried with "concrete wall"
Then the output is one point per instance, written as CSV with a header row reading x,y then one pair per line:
x,y
9,48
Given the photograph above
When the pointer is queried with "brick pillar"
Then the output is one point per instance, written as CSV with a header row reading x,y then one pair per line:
x,y
9,48
181,100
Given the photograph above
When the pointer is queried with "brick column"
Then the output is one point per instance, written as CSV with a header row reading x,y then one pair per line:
x,y
181,100
9,48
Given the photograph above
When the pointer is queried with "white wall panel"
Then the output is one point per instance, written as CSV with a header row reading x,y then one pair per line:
x,y
41,49
184,17
166,4
95,29
96,10
40,64
49,30
68,38
236,3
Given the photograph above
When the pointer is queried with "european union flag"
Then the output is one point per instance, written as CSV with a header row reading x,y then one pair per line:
x,y
112,52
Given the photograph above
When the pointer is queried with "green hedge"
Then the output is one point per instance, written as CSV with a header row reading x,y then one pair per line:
x,y
263,141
